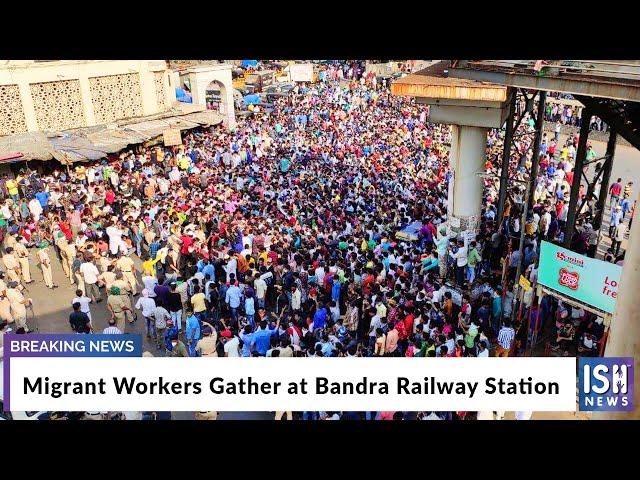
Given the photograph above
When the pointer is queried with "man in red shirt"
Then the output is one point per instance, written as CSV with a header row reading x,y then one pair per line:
x,y
615,190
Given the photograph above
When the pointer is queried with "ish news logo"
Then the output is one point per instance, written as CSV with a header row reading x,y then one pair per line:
x,y
606,384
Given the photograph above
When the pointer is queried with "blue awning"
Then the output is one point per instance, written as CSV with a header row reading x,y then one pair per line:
x,y
252,99
249,63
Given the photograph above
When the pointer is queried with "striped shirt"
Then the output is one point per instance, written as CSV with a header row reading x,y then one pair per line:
x,y
627,191
506,336
111,331
153,249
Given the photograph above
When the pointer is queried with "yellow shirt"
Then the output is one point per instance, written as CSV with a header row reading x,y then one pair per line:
x,y
183,163
564,153
12,187
198,303
81,172
148,266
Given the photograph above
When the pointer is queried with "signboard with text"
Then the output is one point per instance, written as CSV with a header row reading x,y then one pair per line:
x,y
172,137
588,280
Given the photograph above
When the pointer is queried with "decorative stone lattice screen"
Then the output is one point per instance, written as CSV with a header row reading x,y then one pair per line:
x,y
158,78
115,97
12,118
58,105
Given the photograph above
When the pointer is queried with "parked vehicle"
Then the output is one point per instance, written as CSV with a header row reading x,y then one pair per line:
x,y
256,82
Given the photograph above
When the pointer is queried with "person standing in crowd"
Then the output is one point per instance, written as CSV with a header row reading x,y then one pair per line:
x,y
615,190
79,321
45,264
89,273
506,338
118,305
147,305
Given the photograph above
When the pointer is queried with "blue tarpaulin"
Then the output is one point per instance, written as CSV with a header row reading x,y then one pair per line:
x,y
183,96
410,232
252,99
249,63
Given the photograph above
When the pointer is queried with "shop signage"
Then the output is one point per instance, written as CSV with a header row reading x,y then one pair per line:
x,y
588,280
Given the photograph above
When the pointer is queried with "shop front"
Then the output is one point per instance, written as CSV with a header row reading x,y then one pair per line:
x,y
575,296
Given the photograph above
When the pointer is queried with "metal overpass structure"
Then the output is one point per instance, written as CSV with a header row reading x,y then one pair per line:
x,y
609,89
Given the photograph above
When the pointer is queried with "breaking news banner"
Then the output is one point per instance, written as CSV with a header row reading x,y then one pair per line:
x,y
109,373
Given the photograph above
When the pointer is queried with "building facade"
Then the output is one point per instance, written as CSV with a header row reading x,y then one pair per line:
x,y
65,94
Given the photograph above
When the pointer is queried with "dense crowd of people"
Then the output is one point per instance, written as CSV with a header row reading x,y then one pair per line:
x,y
278,238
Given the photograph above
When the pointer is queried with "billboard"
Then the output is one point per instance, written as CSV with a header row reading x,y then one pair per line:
x,y
588,280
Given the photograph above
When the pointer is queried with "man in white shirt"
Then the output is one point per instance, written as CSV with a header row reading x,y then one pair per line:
x,y
231,344
112,329
231,267
90,274
84,302
148,307
621,231
547,221
461,261
149,282
320,273
483,351
261,290
115,238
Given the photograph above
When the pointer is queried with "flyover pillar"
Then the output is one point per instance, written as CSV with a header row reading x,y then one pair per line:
x,y
466,160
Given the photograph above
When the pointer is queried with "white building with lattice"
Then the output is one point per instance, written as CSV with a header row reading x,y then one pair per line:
x,y
65,94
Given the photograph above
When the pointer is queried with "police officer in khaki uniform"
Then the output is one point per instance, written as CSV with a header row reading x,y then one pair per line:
x,y
12,265
107,277
118,305
75,271
22,254
206,346
5,305
71,256
62,245
127,267
45,264
121,284
10,241
19,305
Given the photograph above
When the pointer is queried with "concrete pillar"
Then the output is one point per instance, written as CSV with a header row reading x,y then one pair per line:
x,y
87,101
467,157
148,90
27,106
624,333
229,113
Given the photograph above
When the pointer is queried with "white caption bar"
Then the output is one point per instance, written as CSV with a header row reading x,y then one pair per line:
x,y
536,384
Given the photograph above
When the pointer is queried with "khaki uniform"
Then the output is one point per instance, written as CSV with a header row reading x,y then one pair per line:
x,y
10,241
45,264
126,266
18,309
62,245
71,255
22,255
13,267
108,278
123,285
103,263
117,304
5,308
208,346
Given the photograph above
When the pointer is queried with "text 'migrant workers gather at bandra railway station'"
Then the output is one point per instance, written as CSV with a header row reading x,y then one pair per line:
x,y
423,208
